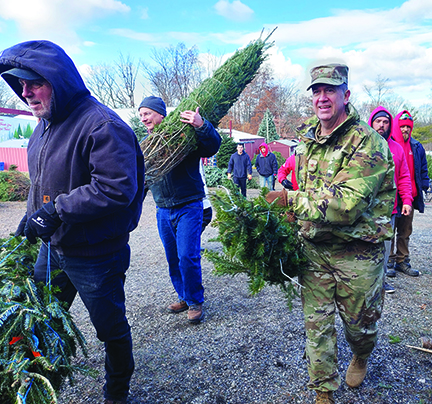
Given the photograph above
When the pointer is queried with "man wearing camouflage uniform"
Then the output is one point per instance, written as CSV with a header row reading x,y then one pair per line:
x,y
345,174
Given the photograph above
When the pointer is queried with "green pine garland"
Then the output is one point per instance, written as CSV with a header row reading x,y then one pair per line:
x,y
257,240
171,141
38,337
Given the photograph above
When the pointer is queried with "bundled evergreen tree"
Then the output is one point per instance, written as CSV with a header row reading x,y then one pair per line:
x,y
267,128
172,140
258,240
38,337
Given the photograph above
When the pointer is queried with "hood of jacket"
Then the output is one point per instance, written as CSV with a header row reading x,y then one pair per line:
x,y
54,65
396,131
374,112
263,144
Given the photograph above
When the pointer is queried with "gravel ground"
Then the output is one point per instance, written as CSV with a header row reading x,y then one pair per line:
x,y
249,349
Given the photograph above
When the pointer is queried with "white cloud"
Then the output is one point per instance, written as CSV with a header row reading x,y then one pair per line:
x,y
144,13
236,11
57,20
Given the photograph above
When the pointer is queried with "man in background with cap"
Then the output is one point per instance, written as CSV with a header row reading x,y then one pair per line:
x,y
179,198
381,120
345,174
87,188
417,164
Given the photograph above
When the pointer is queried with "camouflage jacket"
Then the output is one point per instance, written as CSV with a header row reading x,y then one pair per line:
x,y
346,183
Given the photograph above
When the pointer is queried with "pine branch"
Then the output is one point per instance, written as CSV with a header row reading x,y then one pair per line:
x,y
256,240
171,141
38,337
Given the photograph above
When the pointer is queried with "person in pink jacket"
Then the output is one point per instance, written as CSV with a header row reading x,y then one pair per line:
x,y
283,172
381,121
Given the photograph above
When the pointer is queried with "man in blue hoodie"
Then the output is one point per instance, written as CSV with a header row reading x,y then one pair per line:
x,y
240,168
267,166
86,194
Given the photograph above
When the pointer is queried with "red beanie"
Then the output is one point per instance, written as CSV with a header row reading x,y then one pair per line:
x,y
406,119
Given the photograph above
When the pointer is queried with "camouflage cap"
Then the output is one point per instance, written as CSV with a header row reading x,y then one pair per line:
x,y
334,74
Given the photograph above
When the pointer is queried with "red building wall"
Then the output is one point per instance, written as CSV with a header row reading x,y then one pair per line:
x,y
14,155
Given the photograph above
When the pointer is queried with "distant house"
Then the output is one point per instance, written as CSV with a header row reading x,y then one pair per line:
x,y
14,132
251,142
284,146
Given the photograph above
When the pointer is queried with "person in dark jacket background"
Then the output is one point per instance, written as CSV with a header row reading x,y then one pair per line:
x,y
267,166
179,199
87,189
240,168
403,124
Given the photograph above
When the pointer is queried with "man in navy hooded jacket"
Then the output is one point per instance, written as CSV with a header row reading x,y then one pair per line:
x,y
87,175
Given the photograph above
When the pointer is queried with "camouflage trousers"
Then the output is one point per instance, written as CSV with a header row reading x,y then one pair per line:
x,y
348,278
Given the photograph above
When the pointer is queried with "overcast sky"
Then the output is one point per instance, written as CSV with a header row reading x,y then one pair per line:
x,y
393,41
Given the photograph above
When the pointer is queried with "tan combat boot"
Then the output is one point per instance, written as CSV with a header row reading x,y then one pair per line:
x,y
324,397
356,371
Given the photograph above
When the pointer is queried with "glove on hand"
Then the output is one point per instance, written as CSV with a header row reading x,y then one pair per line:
x,y
287,184
21,226
43,223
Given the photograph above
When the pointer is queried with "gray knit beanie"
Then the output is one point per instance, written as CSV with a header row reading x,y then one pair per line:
x,y
154,103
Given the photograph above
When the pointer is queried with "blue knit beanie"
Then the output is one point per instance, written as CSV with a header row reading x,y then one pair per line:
x,y
154,103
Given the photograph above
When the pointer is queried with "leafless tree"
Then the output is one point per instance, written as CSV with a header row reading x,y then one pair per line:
x,y
114,85
8,99
177,72
379,91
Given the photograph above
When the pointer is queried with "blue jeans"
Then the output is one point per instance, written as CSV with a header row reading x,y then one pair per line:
x,y
241,183
180,232
266,182
100,284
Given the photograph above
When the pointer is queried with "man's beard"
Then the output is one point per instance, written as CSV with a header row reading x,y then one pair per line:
x,y
386,134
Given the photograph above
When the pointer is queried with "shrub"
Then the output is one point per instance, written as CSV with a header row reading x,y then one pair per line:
x,y
214,176
14,185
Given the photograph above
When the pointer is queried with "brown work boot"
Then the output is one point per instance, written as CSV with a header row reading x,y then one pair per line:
x,y
195,313
324,397
178,307
356,371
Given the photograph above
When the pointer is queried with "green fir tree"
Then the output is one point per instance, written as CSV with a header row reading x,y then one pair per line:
x,y
171,141
227,148
257,240
267,128
38,337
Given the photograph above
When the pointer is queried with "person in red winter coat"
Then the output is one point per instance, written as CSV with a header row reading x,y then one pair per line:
x,y
417,164
283,172
381,121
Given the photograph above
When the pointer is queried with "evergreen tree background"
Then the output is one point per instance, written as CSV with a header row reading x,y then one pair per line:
x,y
227,148
267,128
139,128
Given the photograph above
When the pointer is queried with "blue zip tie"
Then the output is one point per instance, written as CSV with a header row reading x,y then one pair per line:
x,y
24,398
7,242
48,274
16,248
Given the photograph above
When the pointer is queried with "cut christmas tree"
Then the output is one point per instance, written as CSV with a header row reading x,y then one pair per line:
x,y
38,337
258,240
172,140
